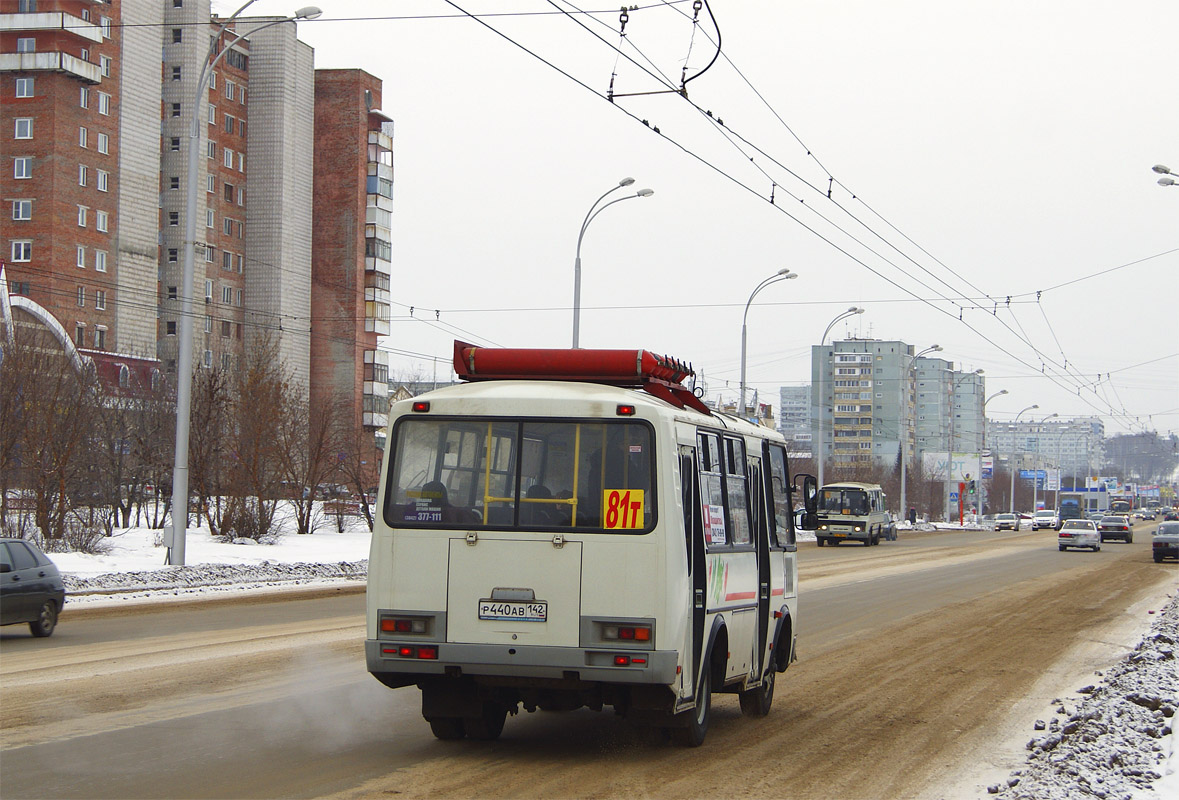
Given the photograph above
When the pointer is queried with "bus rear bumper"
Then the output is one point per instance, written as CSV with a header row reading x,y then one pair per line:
x,y
401,663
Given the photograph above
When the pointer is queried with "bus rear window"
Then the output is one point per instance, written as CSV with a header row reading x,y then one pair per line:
x,y
520,474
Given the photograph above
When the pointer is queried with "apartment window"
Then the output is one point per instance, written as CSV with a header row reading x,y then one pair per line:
x,y
99,337
212,114
174,144
19,287
227,261
173,255
226,329
100,261
227,226
172,293
173,218
208,291
211,149
101,219
24,87
241,125
26,45
22,167
208,324
210,254
82,211
210,183
174,182
227,295
245,65
22,250
177,35
212,75
22,209
81,257
229,123
207,358
23,128
176,109
241,162
229,87
176,73
240,295
226,360
81,297
80,334
103,180
170,328
177,3
229,192
83,137
228,157
105,24
85,55
241,197
104,144
240,264
208,218
100,300
104,63
84,97
104,103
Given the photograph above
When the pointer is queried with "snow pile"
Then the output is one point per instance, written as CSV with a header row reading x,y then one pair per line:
x,y
200,576
1119,739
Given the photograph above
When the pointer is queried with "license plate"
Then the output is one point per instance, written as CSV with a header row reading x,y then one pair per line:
x,y
534,611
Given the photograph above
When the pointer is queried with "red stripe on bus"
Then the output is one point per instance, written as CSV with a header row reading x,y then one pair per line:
x,y
741,596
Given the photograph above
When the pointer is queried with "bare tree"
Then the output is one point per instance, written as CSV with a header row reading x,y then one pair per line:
x,y
209,441
360,467
308,439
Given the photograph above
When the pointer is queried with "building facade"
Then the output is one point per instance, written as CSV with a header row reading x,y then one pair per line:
x,y
353,247
794,418
1075,446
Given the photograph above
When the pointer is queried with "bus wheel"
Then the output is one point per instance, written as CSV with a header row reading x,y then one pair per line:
x,y
820,540
447,728
692,734
757,702
488,725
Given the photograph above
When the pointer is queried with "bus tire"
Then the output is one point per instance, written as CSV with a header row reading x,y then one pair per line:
x,y
757,702
821,541
692,734
488,725
447,728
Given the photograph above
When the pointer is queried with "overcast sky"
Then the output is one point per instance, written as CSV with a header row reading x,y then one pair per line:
x,y
979,151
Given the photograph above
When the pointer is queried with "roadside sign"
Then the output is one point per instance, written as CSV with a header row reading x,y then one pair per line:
x,y
953,497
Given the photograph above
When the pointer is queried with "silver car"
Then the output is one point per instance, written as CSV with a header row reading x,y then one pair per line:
x,y
1165,541
1079,533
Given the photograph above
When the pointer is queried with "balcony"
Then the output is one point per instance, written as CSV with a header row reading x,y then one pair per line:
x,y
51,21
51,62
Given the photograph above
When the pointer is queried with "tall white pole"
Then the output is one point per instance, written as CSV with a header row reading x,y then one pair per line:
x,y
781,275
822,372
185,333
1011,500
933,348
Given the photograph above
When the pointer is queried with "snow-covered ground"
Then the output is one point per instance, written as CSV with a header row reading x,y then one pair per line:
x,y
1112,740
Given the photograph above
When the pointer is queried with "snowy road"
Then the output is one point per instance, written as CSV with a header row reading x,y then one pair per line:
x,y
913,657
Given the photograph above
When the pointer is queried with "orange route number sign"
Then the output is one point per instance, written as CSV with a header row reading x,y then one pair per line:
x,y
622,508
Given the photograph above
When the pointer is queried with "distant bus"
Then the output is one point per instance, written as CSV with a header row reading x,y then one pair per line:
x,y
1120,507
851,511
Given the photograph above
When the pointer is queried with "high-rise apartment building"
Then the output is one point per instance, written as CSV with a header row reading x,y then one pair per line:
x,y
948,410
1076,446
353,246
794,419
80,167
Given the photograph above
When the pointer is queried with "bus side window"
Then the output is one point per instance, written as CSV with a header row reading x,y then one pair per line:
x,y
737,490
712,493
688,495
783,528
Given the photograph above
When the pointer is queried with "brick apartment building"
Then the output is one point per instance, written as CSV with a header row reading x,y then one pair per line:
x,y
97,100
352,245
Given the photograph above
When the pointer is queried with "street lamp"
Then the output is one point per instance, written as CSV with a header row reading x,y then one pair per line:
x,y
595,209
1036,467
184,336
933,348
1166,180
822,369
1012,499
783,274
985,495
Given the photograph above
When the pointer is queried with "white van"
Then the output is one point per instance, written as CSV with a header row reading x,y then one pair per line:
x,y
852,511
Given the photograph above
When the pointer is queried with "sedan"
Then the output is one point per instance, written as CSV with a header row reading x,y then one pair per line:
x,y
1165,542
1115,526
31,589
1007,522
1079,533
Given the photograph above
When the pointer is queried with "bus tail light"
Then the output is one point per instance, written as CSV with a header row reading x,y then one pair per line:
x,y
403,625
421,407
629,633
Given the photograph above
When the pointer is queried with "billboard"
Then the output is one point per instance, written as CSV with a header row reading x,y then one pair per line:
x,y
952,466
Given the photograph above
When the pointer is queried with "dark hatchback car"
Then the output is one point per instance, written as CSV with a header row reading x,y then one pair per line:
x,y
31,589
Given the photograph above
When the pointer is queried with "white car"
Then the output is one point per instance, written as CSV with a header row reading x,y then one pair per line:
x,y
1079,533
1008,522
1045,518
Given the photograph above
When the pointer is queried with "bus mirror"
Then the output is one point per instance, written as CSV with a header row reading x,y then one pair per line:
x,y
810,493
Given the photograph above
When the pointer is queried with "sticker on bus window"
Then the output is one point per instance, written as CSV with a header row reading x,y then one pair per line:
x,y
714,524
622,508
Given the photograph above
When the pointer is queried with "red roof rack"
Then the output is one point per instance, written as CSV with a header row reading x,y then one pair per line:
x,y
661,376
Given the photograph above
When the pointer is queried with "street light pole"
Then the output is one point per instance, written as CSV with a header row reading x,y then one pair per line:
x,y
781,275
1011,509
822,370
185,333
594,210
1166,180
984,503
933,348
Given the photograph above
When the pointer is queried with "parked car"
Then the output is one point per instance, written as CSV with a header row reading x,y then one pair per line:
x,y
1116,526
1165,542
1079,533
1009,522
1045,518
889,529
31,589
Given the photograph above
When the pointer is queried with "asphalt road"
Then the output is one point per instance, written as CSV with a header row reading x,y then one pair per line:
x,y
911,652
